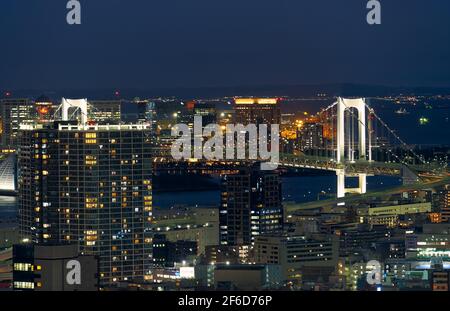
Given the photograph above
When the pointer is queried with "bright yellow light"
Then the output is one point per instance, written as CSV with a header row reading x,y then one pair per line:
x,y
259,101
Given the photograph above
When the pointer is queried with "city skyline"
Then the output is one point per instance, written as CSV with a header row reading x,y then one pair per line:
x,y
247,150
88,174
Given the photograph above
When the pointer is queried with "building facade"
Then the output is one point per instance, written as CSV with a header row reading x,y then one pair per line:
x,y
295,254
250,206
53,268
257,111
14,112
90,185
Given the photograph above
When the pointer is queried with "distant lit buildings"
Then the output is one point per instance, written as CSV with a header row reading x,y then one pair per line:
x,y
227,254
14,112
310,136
91,185
105,111
445,204
257,111
45,109
250,206
390,215
207,111
432,242
440,280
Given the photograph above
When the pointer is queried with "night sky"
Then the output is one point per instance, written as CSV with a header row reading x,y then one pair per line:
x,y
198,43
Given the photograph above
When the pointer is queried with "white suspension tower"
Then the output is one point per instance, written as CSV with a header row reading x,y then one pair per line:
x,y
344,104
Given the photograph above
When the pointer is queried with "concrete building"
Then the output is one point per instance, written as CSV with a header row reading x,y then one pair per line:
x,y
247,277
294,253
198,224
390,215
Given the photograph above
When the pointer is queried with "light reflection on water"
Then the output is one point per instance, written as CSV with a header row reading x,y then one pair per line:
x,y
296,189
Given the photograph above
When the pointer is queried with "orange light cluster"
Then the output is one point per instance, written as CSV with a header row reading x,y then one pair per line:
x,y
435,217
328,131
43,110
289,134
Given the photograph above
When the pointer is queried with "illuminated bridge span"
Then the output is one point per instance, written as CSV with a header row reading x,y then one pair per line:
x,y
348,137
7,175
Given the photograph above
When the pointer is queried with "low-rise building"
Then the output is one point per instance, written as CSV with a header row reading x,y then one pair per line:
x,y
294,253
53,268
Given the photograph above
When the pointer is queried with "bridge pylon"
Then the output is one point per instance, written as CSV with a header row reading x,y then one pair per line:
x,y
342,105
341,190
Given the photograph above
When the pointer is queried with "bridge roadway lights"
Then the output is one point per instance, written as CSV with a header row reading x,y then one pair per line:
x,y
341,190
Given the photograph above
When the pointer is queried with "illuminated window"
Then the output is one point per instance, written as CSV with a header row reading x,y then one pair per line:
x,y
24,285
23,266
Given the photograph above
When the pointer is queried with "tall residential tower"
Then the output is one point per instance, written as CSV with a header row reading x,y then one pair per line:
x,y
90,185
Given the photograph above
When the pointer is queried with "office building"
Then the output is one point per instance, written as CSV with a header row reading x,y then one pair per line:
x,y
196,224
89,185
297,253
167,253
310,136
250,205
390,215
226,254
105,111
257,111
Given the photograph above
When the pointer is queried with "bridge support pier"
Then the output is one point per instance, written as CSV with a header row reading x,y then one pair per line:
x,y
341,190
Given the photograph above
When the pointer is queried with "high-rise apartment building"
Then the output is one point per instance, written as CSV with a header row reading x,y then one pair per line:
x,y
250,206
90,185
